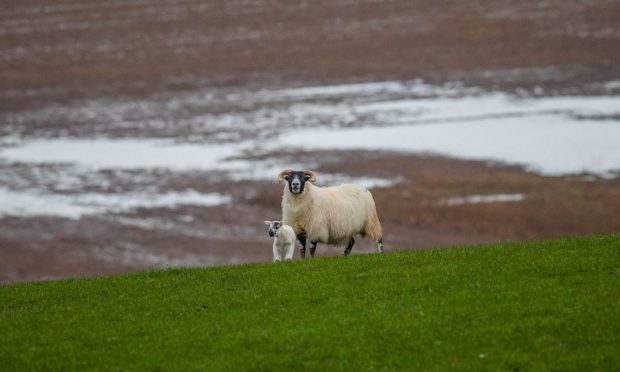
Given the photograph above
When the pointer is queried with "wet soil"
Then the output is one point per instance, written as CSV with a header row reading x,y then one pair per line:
x,y
58,51
413,213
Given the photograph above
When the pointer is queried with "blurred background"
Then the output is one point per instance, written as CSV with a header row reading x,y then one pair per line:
x,y
144,134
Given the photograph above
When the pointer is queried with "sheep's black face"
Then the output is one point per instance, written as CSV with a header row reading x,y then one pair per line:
x,y
274,227
296,181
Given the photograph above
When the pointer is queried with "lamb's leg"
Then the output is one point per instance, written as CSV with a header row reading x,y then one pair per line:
x,y
347,250
380,245
276,254
313,248
302,240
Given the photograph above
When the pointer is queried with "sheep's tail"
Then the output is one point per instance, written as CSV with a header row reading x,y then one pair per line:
x,y
373,229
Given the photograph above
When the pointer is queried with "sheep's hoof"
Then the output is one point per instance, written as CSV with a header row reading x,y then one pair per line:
x,y
349,247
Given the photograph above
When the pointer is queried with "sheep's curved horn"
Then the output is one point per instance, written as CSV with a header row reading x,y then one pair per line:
x,y
283,174
311,175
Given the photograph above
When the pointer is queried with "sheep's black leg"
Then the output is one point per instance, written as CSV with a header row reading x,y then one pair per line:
x,y
349,247
380,245
302,240
313,248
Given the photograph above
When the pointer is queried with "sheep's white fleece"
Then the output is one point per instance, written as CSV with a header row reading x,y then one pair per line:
x,y
331,215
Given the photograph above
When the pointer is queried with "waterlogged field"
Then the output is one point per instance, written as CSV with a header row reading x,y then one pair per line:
x,y
144,176
522,306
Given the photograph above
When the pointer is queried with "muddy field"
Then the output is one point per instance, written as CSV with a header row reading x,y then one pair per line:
x,y
140,134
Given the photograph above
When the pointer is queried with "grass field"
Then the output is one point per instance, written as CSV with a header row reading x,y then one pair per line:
x,y
519,306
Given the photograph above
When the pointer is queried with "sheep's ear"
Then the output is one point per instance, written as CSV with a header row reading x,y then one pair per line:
x,y
311,175
284,174
267,223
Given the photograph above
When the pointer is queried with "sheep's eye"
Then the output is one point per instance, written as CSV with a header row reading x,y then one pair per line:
x,y
286,177
306,178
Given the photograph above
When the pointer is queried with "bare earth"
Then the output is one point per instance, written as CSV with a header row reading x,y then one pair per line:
x,y
57,56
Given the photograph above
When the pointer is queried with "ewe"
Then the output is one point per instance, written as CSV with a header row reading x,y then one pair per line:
x,y
330,215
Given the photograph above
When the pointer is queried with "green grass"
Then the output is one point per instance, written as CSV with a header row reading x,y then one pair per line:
x,y
519,306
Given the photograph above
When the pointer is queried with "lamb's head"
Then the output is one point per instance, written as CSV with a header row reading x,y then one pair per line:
x,y
274,226
296,179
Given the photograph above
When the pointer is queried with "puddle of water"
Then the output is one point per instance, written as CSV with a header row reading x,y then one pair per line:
x,y
368,182
415,87
15,203
477,199
123,154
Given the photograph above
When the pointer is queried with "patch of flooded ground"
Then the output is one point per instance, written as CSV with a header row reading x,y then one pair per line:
x,y
549,135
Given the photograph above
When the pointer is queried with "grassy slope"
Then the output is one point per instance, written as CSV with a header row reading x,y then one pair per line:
x,y
537,305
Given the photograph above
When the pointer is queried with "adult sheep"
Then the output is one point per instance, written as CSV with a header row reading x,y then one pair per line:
x,y
329,215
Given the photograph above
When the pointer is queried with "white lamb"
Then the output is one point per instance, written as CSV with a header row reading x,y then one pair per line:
x,y
330,215
283,240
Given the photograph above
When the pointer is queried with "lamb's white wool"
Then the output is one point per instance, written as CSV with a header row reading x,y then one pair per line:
x,y
330,215
283,240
